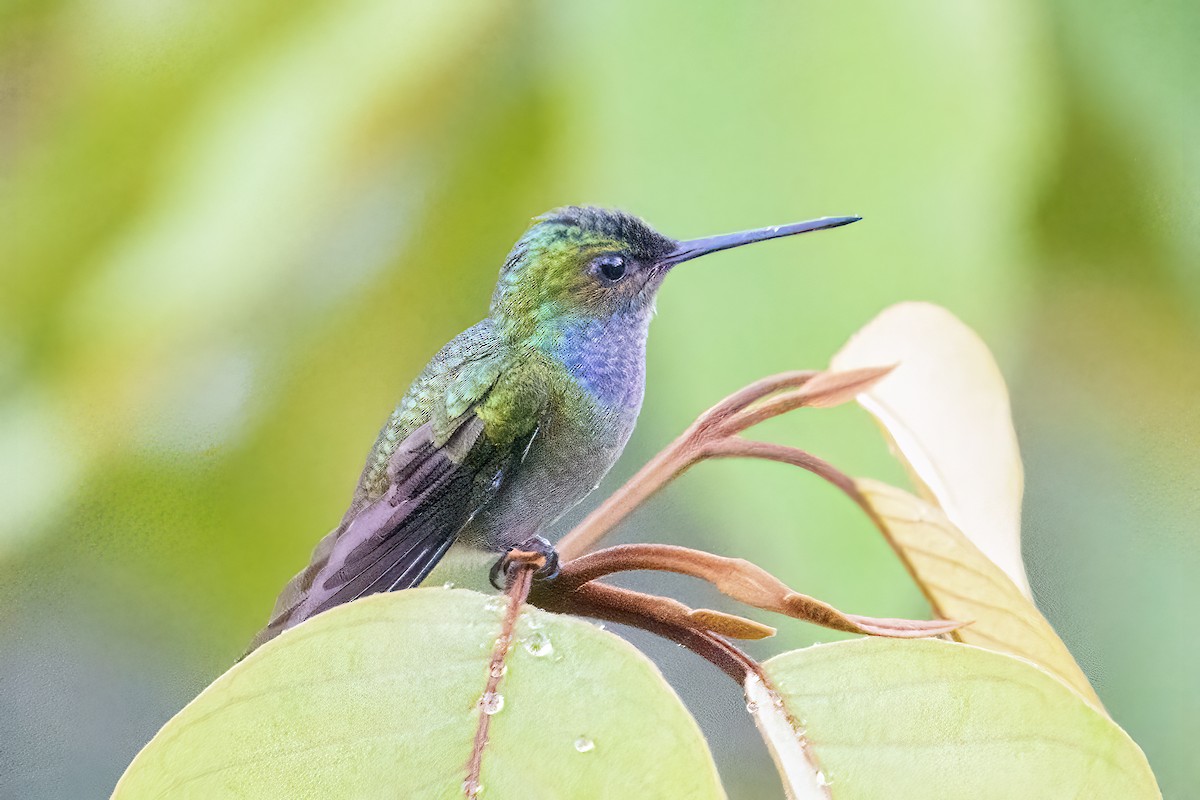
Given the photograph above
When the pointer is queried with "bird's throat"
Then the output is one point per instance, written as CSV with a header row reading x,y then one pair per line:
x,y
606,356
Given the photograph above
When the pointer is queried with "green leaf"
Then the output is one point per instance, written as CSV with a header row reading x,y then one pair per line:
x,y
932,719
379,698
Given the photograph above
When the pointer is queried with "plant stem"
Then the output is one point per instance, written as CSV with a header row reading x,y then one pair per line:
x,y
714,434
520,579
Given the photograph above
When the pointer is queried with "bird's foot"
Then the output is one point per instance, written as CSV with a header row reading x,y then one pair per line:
x,y
534,551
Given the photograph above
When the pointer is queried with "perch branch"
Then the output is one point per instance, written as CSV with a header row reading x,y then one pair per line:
x,y
521,567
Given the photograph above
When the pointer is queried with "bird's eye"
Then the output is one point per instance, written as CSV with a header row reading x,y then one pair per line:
x,y
611,267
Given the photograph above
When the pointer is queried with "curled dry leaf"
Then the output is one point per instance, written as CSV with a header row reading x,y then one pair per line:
x,y
730,625
578,597
757,391
834,387
821,390
962,583
946,410
745,582
658,615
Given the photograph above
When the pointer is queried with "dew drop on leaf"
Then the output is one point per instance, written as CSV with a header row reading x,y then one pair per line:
x,y
584,744
538,645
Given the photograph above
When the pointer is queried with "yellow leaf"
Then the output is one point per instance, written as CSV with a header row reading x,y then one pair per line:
x,y
946,410
963,584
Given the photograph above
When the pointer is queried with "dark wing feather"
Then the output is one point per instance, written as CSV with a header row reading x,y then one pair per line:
x,y
394,541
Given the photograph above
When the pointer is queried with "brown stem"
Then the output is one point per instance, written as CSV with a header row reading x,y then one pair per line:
x,y
600,601
670,463
756,391
658,472
520,579
713,429
736,447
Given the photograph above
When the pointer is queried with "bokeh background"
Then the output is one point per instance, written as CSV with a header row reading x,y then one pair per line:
x,y
232,231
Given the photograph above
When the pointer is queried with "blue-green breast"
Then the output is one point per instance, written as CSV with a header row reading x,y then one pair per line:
x,y
595,373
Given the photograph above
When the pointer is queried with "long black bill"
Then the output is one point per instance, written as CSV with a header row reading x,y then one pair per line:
x,y
694,248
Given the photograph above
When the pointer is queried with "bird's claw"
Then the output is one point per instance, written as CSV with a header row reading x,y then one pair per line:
x,y
535,551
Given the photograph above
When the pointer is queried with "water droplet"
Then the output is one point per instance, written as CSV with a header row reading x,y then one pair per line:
x,y
471,788
600,625
823,779
584,744
495,603
538,645
448,585
751,706
498,670
491,703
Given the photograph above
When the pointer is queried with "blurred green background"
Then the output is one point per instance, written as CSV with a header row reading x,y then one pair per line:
x,y
232,232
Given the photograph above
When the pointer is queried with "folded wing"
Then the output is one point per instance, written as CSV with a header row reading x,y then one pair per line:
x,y
394,541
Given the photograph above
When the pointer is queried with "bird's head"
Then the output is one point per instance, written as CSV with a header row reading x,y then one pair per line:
x,y
581,261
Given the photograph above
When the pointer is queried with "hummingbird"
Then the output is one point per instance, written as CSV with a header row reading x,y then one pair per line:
x,y
518,418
